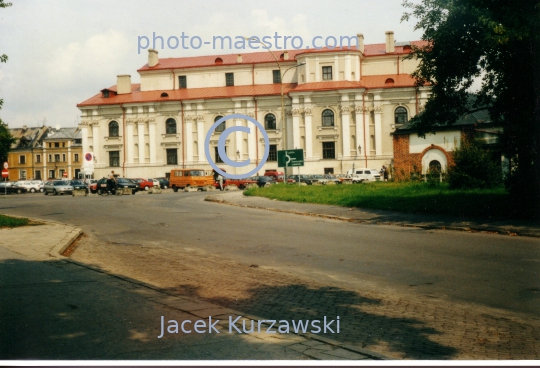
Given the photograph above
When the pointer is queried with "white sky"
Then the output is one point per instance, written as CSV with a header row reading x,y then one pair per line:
x,y
62,52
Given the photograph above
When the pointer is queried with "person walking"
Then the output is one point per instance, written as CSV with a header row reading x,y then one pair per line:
x,y
220,180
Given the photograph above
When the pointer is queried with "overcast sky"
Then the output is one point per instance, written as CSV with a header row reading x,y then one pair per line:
x,y
62,52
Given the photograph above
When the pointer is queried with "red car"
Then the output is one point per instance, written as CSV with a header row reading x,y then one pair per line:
x,y
144,184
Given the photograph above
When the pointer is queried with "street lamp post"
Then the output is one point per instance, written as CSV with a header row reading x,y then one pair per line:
x,y
281,75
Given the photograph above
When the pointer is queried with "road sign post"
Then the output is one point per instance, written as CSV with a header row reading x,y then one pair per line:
x,y
290,158
5,174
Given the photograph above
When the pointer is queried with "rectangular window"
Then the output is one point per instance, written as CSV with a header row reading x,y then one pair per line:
x,y
327,73
63,157
182,81
114,158
22,174
217,157
50,145
277,76
50,158
329,150
63,144
51,174
61,173
57,144
38,158
57,158
172,156
229,79
328,170
37,175
76,157
272,153
22,159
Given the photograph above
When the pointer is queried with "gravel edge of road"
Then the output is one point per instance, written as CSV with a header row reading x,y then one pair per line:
x,y
489,230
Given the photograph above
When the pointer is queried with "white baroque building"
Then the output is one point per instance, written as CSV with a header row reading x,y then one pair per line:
x,y
341,106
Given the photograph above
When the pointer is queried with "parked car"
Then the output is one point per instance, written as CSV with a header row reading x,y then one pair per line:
x,y
78,185
31,186
343,178
240,183
278,176
195,178
333,178
367,174
263,181
9,187
357,179
144,184
120,183
318,178
58,187
302,178
155,182
163,182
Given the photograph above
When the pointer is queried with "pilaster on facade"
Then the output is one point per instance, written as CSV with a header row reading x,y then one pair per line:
x,y
377,109
152,139
345,126
308,128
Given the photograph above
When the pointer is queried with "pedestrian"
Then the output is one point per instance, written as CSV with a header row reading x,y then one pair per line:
x,y
111,181
385,174
220,180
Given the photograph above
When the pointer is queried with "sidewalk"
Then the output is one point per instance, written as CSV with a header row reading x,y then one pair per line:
x,y
56,308
379,217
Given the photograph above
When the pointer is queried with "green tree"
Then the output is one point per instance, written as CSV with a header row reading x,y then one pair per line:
x,y
497,41
6,140
473,167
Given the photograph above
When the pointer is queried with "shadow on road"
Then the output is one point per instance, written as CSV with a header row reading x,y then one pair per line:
x,y
298,302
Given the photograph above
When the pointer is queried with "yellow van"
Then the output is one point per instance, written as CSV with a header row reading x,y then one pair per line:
x,y
196,178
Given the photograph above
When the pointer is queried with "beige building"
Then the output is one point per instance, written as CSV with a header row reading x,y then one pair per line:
x,y
341,106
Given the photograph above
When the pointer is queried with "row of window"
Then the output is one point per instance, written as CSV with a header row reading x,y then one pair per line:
x,y
22,158
52,174
328,148
327,117
276,77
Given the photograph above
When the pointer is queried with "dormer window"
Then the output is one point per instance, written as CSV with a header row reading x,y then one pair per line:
x,y
105,94
389,81
218,61
164,94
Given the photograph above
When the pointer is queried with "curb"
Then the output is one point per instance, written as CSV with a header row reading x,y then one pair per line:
x,y
495,230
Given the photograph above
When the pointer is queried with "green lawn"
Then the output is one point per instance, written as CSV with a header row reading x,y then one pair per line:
x,y
404,197
7,221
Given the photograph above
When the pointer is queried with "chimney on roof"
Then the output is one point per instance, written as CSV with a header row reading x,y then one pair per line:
x,y
123,84
153,59
239,58
286,55
389,42
24,128
360,38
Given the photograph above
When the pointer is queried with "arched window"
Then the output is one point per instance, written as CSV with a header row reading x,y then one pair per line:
x,y
218,61
327,118
170,126
400,115
164,94
435,166
220,127
270,122
389,81
113,129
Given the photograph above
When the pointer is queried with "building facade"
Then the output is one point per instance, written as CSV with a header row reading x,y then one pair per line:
x,y
414,156
341,106
45,153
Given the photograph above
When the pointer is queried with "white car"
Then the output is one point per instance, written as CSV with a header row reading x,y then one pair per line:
x,y
32,186
156,182
365,174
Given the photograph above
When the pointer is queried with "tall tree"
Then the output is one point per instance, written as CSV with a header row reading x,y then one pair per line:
x,y
497,41
6,140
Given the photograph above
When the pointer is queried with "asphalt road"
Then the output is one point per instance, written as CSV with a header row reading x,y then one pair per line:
x,y
490,270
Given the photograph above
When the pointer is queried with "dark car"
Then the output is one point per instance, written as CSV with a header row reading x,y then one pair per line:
x,y
303,179
11,188
163,182
263,181
120,183
78,185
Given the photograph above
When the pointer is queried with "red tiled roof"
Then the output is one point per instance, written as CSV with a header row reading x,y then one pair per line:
x,y
137,96
266,57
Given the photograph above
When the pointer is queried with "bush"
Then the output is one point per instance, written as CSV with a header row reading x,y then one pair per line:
x,y
473,167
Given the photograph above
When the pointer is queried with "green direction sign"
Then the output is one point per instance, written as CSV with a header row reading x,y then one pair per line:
x,y
290,158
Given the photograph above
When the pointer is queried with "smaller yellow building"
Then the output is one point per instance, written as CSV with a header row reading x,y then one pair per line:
x,y
45,153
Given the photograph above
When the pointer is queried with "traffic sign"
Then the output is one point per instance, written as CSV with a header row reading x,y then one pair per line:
x,y
5,173
6,166
290,158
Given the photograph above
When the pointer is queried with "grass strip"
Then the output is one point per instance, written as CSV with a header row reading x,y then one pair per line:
x,y
8,221
403,197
